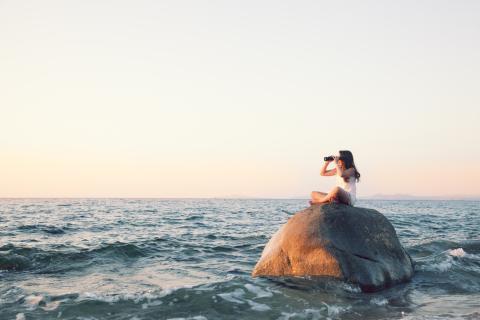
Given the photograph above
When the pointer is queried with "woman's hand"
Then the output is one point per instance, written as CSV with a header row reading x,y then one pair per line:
x,y
336,158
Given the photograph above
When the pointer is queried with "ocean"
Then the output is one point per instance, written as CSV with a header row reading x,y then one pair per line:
x,y
192,259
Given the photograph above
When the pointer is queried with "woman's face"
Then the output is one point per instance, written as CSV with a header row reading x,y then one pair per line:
x,y
340,162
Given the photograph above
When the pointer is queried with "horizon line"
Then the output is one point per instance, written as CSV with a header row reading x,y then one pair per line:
x,y
369,197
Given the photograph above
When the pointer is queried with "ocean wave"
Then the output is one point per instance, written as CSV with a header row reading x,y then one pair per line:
x,y
189,318
440,266
16,258
13,261
449,266
61,257
150,302
432,251
122,259
327,311
446,260
260,293
49,229
468,316
379,301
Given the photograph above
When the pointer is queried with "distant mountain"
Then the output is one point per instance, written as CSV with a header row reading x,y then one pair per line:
x,y
402,196
377,196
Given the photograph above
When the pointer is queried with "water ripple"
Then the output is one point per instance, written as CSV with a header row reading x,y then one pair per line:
x,y
192,258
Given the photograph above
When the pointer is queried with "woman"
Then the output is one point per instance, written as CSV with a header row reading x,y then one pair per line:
x,y
346,173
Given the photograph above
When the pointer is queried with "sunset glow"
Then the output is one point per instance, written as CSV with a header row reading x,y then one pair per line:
x,y
204,99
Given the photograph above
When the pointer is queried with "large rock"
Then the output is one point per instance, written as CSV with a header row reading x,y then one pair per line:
x,y
353,244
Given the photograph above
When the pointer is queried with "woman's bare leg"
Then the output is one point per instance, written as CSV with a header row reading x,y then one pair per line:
x,y
317,195
336,194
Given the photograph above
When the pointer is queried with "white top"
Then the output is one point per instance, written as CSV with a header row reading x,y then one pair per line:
x,y
350,187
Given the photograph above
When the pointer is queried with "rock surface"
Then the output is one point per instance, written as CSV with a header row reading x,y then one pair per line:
x,y
354,244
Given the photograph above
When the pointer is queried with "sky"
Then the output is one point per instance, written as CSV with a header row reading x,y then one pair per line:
x,y
237,98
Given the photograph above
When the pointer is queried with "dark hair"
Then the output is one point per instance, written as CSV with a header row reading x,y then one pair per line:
x,y
347,158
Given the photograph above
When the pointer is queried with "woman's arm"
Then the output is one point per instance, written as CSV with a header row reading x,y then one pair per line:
x,y
325,172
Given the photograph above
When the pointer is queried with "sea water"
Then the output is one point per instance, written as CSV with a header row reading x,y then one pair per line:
x,y
192,259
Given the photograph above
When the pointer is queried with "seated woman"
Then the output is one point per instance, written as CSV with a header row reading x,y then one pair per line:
x,y
346,173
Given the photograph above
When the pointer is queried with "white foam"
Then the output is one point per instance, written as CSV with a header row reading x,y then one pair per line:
x,y
148,304
433,317
51,305
20,316
258,291
100,297
258,306
351,288
135,297
457,252
333,310
233,296
449,261
286,316
441,266
379,301
32,301
313,314
190,318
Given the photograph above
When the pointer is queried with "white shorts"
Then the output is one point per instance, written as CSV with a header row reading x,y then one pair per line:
x,y
353,199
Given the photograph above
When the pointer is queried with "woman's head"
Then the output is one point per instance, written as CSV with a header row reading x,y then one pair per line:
x,y
346,160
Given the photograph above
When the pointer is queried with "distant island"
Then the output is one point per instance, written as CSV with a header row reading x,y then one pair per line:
x,y
377,196
402,196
